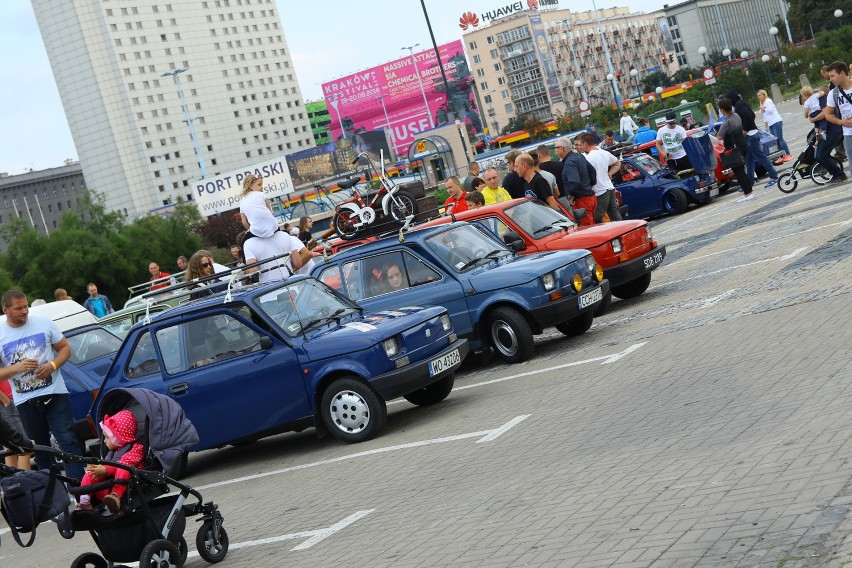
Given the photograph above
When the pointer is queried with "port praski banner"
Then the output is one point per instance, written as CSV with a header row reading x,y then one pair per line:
x,y
355,102
222,193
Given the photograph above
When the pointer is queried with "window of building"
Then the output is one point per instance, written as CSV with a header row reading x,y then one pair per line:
x,y
489,40
476,59
508,107
484,85
472,45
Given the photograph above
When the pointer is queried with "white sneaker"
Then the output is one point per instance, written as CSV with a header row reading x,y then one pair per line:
x,y
748,197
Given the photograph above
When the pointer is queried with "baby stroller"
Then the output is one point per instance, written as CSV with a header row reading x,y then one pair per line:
x,y
806,166
149,525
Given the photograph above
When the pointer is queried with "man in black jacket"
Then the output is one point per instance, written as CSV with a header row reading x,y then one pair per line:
x,y
576,181
754,154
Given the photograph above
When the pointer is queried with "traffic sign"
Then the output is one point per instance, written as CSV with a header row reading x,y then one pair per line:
x,y
583,106
487,138
586,113
708,73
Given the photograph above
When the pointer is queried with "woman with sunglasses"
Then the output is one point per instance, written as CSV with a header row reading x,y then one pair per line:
x,y
201,265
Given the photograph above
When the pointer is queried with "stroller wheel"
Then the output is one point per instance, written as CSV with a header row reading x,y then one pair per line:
x,y
182,548
160,553
787,183
820,175
207,549
89,560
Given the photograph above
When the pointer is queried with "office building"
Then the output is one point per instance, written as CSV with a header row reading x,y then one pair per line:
x,y
320,121
516,79
109,59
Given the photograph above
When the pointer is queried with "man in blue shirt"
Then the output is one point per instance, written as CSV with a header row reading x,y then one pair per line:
x,y
645,134
98,305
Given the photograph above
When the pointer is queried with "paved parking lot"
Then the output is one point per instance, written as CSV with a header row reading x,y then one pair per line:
x,y
705,423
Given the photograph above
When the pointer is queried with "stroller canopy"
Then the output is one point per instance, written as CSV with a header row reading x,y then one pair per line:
x,y
169,433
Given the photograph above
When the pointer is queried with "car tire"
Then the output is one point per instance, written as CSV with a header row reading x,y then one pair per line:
x,y
510,335
434,393
675,201
408,206
352,411
576,326
787,183
633,288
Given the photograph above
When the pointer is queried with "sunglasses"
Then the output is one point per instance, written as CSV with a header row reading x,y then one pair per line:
x,y
206,265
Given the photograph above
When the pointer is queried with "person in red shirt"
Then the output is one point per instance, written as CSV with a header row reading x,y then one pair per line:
x,y
457,195
159,279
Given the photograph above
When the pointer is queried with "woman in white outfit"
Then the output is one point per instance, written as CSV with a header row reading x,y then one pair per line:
x,y
773,120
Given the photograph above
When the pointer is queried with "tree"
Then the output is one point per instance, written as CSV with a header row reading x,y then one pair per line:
x,y
654,80
515,124
536,129
809,17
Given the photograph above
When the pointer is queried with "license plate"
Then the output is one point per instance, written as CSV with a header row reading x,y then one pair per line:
x,y
653,260
714,192
441,364
590,298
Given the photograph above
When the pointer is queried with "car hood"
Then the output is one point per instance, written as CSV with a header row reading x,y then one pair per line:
x,y
520,269
589,237
357,334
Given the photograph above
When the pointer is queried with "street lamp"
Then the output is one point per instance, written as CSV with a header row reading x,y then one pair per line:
x,y
635,73
744,55
726,53
839,15
611,78
702,51
765,58
459,126
189,121
608,58
773,31
390,128
420,81
659,91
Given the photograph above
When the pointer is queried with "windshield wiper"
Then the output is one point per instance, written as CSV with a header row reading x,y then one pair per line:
x,y
494,253
545,228
335,316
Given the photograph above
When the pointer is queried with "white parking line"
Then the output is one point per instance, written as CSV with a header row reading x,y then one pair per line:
x,y
422,443
497,432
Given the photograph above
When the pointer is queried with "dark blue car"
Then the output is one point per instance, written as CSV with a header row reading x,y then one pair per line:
x,y
494,296
287,355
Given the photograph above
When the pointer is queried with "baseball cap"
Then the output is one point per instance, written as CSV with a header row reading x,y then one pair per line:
x,y
294,231
563,143
671,117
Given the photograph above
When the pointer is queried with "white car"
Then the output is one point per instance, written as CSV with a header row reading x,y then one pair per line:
x,y
66,314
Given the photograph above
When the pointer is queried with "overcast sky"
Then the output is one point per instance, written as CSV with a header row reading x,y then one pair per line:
x,y
328,39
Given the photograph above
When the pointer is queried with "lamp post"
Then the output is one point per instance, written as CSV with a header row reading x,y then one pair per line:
x,y
773,31
390,128
765,58
726,53
659,91
578,84
702,51
608,58
635,74
186,118
611,78
724,33
744,55
839,15
420,82
459,126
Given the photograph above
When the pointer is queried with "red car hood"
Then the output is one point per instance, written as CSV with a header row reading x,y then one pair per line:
x,y
590,237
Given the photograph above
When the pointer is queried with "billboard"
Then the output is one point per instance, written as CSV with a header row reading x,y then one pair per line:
x,y
544,58
222,193
358,102
331,162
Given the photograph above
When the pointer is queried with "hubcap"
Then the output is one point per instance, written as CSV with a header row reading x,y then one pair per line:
x,y
350,412
505,340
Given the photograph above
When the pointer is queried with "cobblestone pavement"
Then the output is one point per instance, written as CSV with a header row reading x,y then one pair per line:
x,y
705,423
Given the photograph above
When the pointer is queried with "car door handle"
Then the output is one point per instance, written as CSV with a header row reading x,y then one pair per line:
x,y
179,389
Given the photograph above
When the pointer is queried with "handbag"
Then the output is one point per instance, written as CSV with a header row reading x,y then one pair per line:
x,y
33,497
731,158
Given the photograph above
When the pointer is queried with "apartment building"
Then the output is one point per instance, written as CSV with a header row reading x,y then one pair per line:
x,y
112,62
516,76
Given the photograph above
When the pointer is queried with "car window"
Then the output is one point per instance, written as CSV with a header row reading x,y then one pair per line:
x,y
119,327
538,220
629,172
91,345
331,277
206,340
418,271
143,361
648,164
352,276
493,224
463,247
384,273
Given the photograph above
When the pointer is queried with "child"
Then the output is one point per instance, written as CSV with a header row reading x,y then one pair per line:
x,y
120,437
255,212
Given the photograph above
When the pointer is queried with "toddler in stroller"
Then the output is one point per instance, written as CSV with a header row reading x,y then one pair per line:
x,y
148,524
805,166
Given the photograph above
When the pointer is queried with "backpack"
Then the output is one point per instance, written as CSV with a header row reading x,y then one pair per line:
x,y
838,96
33,497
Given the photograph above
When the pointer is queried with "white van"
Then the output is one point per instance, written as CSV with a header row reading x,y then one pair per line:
x,y
67,314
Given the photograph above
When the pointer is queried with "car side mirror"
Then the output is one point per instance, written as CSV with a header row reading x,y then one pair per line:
x,y
514,241
265,342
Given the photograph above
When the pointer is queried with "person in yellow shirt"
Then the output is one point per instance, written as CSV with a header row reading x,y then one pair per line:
x,y
492,192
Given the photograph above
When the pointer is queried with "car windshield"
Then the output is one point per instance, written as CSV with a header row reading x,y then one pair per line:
x,y
648,164
301,306
92,344
464,247
538,220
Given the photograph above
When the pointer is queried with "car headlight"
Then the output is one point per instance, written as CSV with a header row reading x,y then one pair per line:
x,y
445,322
549,281
391,346
590,263
616,245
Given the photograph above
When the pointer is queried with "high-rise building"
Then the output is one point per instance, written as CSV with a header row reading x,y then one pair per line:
x,y
320,121
111,60
526,63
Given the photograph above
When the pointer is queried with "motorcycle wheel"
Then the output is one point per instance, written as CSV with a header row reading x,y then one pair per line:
x,y
344,224
403,206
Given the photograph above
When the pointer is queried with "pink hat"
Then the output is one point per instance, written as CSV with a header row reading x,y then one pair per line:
x,y
120,428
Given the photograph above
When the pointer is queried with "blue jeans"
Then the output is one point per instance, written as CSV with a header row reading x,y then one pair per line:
x,y
777,130
52,414
823,153
847,145
755,154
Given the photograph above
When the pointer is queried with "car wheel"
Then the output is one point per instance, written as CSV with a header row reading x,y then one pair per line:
x,y
577,326
160,553
787,183
675,201
89,560
207,549
510,335
820,175
434,393
352,411
344,224
405,205
633,288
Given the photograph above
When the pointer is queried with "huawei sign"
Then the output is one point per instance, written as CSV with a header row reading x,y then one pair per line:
x,y
468,19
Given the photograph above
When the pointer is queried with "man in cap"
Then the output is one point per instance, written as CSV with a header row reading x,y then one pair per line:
x,y
670,144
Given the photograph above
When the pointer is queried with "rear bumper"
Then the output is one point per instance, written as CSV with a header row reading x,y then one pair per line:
x,y
416,376
633,269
